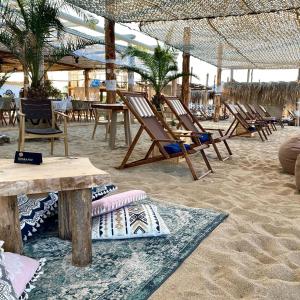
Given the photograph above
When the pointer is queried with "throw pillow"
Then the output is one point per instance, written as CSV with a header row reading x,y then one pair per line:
x,y
134,221
116,201
99,192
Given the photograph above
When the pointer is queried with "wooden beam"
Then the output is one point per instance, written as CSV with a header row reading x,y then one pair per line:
x,y
174,88
110,56
185,91
219,81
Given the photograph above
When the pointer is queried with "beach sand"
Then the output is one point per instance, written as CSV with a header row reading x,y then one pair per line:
x,y
255,253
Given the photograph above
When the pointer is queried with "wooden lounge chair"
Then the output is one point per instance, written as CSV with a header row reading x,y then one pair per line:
x,y
267,115
190,123
249,126
270,121
37,120
161,135
251,117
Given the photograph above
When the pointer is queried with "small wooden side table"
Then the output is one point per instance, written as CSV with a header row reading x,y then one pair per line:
x,y
73,178
115,109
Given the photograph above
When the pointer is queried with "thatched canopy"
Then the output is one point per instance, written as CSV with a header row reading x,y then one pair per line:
x,y
269,93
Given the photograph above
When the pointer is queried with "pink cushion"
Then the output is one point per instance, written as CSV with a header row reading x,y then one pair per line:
x,y
21,270
116,201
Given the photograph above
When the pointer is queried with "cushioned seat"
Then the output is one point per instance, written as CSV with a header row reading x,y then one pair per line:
x,y
43,131
175,148
205,137
288,153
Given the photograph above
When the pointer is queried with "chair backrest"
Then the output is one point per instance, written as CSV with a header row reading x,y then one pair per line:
x,y
60,106
183,114
37,109
238,116
147,115
6,103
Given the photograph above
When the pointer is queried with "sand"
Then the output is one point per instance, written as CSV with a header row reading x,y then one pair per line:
x,y
255,253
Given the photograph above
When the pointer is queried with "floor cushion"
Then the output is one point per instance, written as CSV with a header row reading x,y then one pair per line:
x,y
116,201
133,221
288,153
33,211
102,191
22,272
7,291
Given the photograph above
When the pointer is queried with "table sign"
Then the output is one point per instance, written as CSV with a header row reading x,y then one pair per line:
x,y
31,158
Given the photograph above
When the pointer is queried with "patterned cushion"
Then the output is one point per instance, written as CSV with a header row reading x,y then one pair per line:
x,y
116,201
34,211
7,291
134,221
102,190
22,271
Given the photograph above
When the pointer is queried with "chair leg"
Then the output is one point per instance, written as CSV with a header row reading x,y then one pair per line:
x,y
106,131
206,161
217,151
52,145
190,165
66,146
94,131
22,144
227,147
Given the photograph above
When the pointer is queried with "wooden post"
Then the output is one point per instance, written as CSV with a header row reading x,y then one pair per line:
x,y
185,91
26,82
174,88
10,231
86,84
248,75
219,81
252,75
298,75
64,215
81,219
110,56
206,93
231,75
131,62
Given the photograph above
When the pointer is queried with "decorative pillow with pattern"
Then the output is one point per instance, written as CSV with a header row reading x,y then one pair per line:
x,y
133,221
7,291
116,201
101,191
23,272
34,211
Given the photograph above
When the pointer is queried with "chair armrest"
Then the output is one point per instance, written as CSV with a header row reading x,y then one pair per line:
x,y
61,114
216,129
21,114
168,140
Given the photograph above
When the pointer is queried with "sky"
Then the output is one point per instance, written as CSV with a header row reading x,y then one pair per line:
x,y
200,68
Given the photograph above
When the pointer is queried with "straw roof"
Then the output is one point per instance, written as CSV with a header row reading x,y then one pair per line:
x,y
265,92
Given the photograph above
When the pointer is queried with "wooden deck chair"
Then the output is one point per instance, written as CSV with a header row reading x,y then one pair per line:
x,y
37,120
161,135
190,123
249,126
270,121
267,115
251,117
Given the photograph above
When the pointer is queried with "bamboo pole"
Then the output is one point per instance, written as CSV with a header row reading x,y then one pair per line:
x,y
185,92
110,56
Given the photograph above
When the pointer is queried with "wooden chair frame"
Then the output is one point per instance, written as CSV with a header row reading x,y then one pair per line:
x,y
196,131
26,136
159,142
278,120
239,119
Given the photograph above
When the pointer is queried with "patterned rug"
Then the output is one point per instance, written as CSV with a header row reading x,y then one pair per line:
x,y
123,269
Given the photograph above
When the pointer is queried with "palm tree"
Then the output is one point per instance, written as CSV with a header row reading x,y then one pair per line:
x,y
158,68
33,33
3,78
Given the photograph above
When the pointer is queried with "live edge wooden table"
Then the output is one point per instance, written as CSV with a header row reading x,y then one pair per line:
x,y
73,178
115,109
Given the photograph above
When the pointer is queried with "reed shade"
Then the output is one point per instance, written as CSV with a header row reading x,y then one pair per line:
x,y
166,10
264,41
268,93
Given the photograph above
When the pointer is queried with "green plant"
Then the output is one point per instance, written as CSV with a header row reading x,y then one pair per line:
x,y
33,33
3,79
159,68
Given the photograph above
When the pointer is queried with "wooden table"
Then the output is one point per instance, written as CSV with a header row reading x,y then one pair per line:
x,y
73,178
115,109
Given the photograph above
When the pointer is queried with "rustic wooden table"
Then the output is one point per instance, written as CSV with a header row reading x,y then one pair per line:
x,y
115,109
73,178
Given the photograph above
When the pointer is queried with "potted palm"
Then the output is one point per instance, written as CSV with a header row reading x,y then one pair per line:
x,y
33,33
158,69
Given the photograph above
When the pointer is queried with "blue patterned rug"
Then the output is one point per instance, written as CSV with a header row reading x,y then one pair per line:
x,y
123,269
